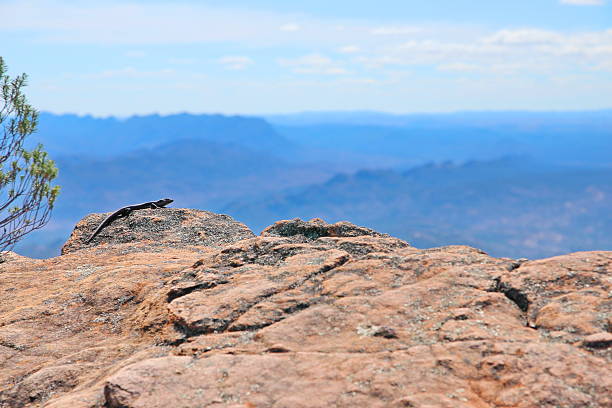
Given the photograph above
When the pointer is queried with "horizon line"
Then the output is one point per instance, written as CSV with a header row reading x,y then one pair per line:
x,y
333,112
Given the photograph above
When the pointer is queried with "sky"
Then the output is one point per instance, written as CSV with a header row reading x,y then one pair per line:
x,y
279,56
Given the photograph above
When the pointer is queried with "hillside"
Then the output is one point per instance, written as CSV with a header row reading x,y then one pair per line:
x,y
509,207
180,307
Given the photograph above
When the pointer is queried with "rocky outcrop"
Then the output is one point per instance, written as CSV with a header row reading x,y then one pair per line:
x,y
188,308
172,227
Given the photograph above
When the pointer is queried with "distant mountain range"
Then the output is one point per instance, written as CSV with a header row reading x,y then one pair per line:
x,y
514,184
512,207
109,137
490,119
194,172
577,138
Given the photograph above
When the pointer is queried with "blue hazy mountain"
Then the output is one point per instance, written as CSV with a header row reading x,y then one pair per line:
x,y
108,137
508,207
479,118
193,172
579,138
374,169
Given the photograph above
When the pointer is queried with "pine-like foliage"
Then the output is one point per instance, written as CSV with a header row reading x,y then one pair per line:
x,y
26,193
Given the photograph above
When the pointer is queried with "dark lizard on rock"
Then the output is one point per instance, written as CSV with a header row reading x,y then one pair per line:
x,y
125,211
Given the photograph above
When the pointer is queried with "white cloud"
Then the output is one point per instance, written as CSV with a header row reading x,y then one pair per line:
x,y
458,67
315,60
321,71
289,27
604,66
360,81
395,30
313,64
379,61
349,49
524,37
181,61
504,68
434,52
583,2
130,73
235,62
138,23
340,48
517,52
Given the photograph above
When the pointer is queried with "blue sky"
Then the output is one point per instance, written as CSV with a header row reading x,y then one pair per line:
x,y
265,56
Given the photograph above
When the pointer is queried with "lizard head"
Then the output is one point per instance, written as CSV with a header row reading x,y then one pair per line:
x,y
163,202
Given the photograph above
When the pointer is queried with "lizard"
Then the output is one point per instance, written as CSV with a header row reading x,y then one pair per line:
x,y
125,211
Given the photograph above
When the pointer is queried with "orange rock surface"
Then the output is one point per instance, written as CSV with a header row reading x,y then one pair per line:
x,y
186,308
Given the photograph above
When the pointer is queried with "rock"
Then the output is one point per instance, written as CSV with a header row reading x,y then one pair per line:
x,y
307,314
472,374
566,297
44,383
598,341
317,228
160,227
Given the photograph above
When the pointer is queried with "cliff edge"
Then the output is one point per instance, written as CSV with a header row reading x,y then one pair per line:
x,y
187,308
